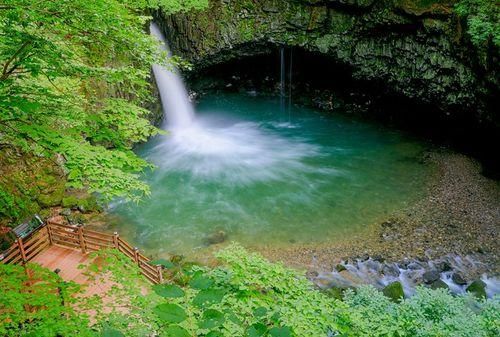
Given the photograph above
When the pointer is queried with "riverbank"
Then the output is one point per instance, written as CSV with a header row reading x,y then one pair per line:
x,y
459,216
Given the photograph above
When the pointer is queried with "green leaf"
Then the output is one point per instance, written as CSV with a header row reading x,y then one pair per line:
x,y
168,290
110,332
164,263
211,319
260,311
175,331
171,313
199,281
208,297
256,330
214,334
280,332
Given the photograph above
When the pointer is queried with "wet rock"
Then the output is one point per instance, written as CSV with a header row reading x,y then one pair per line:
x,y
340,267
439,284
336,292
430,276
391,270
394,291
477,288
444,266
458,279
216,238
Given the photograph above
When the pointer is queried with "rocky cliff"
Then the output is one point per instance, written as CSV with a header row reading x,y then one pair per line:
x,y
413,48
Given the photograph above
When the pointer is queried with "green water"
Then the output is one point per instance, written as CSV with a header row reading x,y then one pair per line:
x,y
268,177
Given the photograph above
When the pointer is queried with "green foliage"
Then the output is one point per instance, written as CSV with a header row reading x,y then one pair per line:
x,y
74,76
37,302
483,20
247,296
427,313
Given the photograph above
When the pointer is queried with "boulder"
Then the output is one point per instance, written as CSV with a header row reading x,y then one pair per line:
x,y
430,276
477,288
340,267
394,291
216,238
458,279
439,284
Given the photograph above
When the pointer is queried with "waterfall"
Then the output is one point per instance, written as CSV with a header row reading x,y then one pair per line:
x,y
284,103
177,108
282,79
290,87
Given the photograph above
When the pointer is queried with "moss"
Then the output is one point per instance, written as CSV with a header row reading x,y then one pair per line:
x,y
477,288
394,291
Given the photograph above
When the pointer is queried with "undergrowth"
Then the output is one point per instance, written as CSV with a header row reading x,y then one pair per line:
x,y
246,295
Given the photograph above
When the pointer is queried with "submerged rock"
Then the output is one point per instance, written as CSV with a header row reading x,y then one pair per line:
x,y
394,291
477,288
216,238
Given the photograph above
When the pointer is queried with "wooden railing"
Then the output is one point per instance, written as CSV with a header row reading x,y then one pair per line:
x,y
80,238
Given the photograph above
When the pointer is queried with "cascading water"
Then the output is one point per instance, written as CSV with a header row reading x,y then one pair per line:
x,y
238,151
411,274
174,97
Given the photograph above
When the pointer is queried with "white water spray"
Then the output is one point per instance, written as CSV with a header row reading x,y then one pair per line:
x,y
238,153
174,97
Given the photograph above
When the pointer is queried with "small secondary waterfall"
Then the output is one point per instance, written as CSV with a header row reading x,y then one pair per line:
x,y
284,104
282,79
174,97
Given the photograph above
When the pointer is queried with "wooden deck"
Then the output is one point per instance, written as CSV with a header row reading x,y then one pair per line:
x,y
68,260
65,259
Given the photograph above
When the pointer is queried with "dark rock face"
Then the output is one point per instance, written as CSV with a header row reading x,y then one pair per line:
x,y
407,48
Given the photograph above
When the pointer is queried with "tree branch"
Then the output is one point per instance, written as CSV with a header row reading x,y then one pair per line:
x,y
6,72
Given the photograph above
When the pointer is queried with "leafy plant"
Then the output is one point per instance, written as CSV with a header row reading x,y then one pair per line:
x,y
483,18
246,296
36,302
74,76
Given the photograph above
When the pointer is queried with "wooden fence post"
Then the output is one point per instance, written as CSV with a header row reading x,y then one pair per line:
x,y
20,245
115,239
160,273
49,232
136,255
81,239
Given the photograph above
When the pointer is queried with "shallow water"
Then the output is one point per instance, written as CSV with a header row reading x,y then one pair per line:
x,y
266,177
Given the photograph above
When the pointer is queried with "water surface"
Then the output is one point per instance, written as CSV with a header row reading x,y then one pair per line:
x,y
268,177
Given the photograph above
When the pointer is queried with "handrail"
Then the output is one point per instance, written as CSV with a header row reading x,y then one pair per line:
x,y
80,238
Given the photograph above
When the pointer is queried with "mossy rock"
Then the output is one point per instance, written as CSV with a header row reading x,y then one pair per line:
x,y
84,204
335,292
50,200
70,201
340,267
439,284
477,288
394,291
